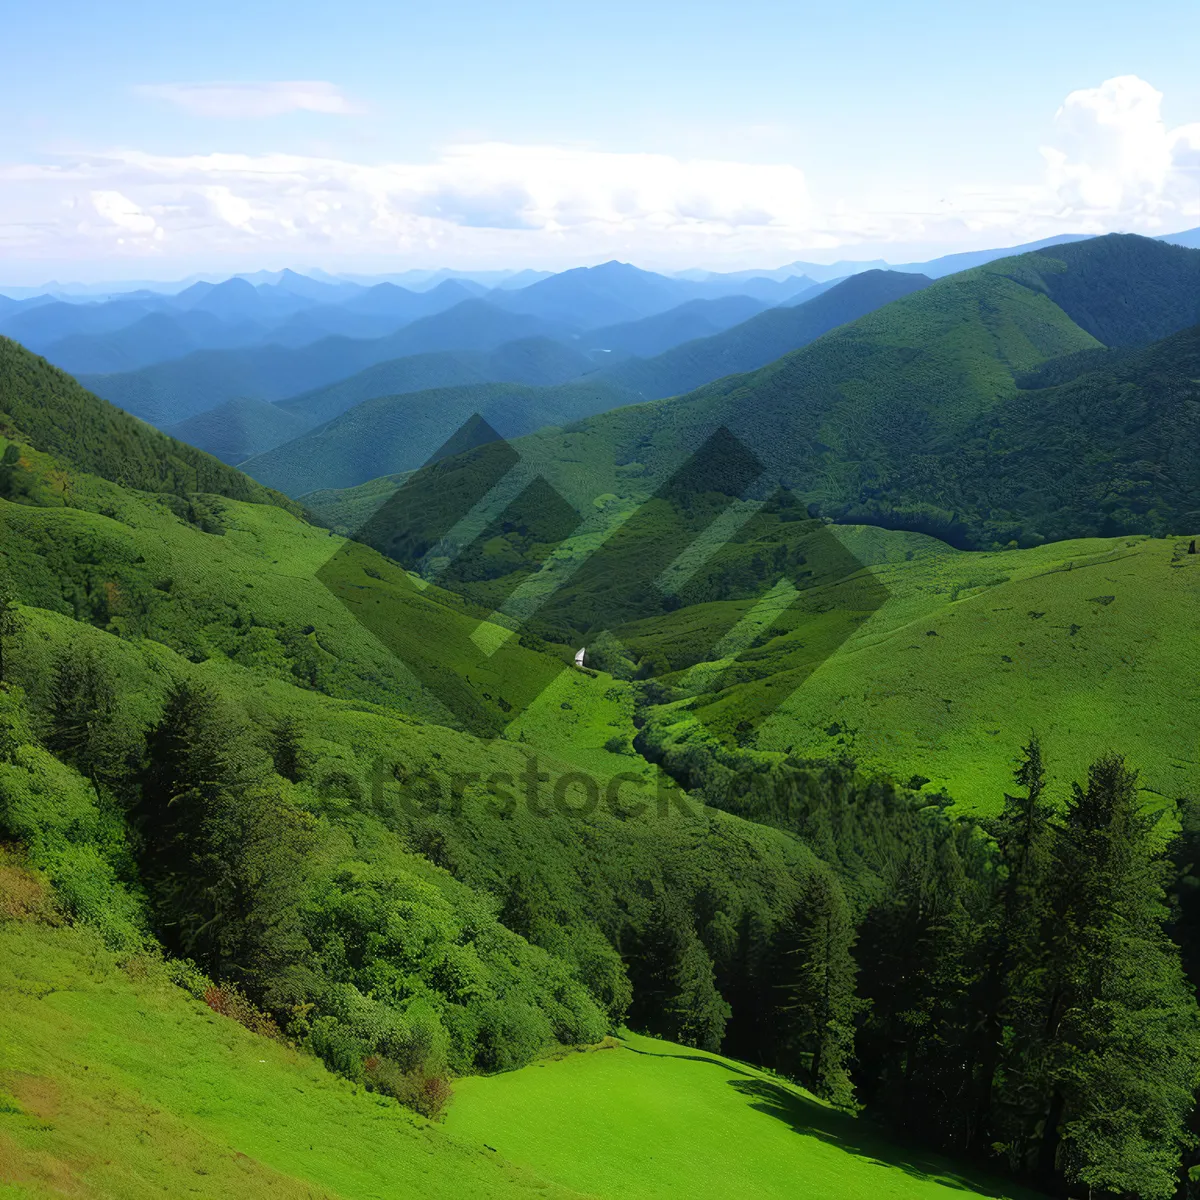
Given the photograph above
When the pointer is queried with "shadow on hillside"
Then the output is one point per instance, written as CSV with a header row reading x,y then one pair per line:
x,y
704,1058
857,1136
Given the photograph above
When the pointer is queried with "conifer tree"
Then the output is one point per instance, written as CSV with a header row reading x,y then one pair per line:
x,y
1011,1088
10,624
696,1012
80,730
1123,1028
819,1005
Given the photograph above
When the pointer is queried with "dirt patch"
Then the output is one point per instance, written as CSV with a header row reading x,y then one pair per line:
x,y
37,1095
34,1168
23,895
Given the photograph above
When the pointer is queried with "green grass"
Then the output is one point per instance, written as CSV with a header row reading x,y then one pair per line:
x,y
647,1118
1093,643
115,1083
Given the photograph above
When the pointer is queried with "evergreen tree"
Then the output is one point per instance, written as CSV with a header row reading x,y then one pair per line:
x,y
221,852
287,755
10,624
1014,1018
820,1005
81,721
1123,1029
696,1012
675,995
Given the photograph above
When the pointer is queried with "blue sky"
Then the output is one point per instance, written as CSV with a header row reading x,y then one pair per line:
x,y
363,135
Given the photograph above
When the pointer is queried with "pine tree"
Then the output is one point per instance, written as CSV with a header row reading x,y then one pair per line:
x,y
1012,1086
10,624
1123,1028
696,1012
675,995
222,853
81,729
286,752
820,1005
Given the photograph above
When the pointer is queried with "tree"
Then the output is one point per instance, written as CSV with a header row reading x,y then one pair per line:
x,y
10,465
81,723
675,995
1011,1089
696,1013
222,853
820,1005
287,754
10,624
1123,1029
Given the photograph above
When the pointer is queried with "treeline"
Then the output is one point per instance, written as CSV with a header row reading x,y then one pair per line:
x,y
1011,989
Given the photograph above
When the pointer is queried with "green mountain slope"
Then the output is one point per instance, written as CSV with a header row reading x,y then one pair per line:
x,y
538,361
398,433
238,428
647,1118
966,653
1102,452
889,397
86,433
391,697
763,338
116,1082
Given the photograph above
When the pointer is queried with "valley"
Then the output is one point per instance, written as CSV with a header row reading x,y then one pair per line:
x,y
326,867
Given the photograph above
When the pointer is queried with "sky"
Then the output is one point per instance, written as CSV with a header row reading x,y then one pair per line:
x,y
148,141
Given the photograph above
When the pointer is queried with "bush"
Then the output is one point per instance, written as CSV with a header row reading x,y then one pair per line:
x,y
228,1001
422,1092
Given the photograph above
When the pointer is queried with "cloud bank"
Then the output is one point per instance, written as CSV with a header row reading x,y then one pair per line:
x,y
1111,163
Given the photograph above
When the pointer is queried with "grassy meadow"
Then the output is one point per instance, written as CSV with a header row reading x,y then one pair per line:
x,y
639,1118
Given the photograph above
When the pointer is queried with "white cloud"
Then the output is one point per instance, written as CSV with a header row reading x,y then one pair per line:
x,y
122,213
244,100
1114,159
1112,163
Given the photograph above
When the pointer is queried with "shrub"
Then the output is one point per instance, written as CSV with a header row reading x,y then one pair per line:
x,y
228,1001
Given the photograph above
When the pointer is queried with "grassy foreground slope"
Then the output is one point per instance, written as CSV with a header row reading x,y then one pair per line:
x,y
114,1082
646,1118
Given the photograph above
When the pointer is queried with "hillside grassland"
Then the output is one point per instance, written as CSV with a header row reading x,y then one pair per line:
x,y
1090,642
641,1118
115,1082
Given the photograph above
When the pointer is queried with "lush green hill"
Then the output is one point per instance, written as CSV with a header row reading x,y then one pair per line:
x,y
891,396
1090,444
962,655
116,1082
398,433
645,1118
763,338
239,428
61,418
376,804
537,361
170,392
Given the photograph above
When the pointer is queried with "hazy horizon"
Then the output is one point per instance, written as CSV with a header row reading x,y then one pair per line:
x,y
252,136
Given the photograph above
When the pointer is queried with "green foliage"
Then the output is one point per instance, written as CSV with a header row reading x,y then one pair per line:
x,y
90,435
763,338
393,433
